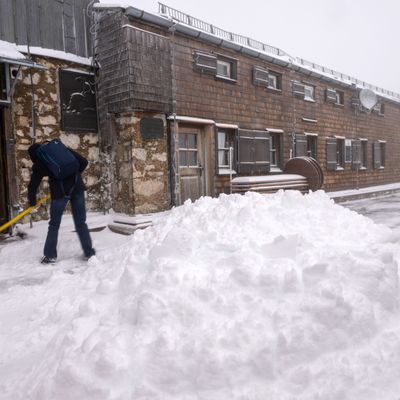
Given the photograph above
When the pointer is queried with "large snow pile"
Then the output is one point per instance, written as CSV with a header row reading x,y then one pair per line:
x,y
248,297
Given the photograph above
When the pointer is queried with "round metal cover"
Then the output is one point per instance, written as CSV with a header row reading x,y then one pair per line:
x,y
304,166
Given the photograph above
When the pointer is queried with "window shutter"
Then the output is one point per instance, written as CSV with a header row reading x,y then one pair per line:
x,y
262,144
377,154
253,152
300,145
245,151
355,102
207,63
260,77
298,89
330,95
331,160
356,154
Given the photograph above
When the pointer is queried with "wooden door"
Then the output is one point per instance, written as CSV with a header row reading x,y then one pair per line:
x,y
191,163
3,172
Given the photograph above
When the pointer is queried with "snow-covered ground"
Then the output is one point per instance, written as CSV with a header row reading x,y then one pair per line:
x,y
278,297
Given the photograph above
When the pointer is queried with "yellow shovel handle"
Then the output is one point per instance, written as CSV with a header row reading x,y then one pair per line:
x,y
23,213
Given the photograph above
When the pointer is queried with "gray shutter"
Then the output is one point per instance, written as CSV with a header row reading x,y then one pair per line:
x,y
262,145
330,95
377,154
355,102
260,77
245,151
253,152
300,145
298,89
331,157
205,62
356,154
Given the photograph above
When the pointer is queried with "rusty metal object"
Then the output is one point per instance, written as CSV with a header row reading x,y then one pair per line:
x,y
307,167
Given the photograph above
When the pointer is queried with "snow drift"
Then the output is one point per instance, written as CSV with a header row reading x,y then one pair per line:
x,y
285,296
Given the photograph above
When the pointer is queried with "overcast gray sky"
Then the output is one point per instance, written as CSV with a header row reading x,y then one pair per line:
x,y
356,37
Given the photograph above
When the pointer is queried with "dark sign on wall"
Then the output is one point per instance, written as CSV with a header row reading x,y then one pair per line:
x,y
78,101
152,128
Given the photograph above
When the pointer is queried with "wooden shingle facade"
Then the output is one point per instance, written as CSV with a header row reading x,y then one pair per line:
x,y
221,102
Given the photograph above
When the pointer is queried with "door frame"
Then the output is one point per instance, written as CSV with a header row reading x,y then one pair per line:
x,y
207,130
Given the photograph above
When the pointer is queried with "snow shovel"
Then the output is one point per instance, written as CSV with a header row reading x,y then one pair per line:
x,y
23,213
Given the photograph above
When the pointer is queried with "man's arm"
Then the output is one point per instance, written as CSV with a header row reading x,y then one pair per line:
x,y
34,183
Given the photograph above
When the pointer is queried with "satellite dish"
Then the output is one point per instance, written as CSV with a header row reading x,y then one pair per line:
x,y
368,98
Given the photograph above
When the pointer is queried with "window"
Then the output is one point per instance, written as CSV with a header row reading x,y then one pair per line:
x,y
276,149
225,142
379,108
339,98
340,153
268,79
364,154
188,156
359,154
224,69
78,101
309,92
303,91
348,151
312,145
305,144
335,154
334,96
379,153
274,81
253,152
214,64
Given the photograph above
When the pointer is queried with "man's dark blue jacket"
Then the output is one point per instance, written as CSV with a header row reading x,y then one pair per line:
x,y
39,170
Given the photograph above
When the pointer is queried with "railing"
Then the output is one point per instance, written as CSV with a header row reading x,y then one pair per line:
x,y
255,44
345,77
214,30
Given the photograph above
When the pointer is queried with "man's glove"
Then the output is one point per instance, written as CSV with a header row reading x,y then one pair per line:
x,y
32,201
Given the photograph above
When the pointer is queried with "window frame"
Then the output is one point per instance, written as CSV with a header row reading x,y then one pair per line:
x,y
276,150
278,81
312,141
339,98
348,146
188,150
232,62
312,97
364,154
232,133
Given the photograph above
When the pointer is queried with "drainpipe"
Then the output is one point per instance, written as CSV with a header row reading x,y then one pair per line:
x,y
175,141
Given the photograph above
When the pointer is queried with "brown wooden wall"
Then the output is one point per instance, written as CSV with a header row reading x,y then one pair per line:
x,y
253,107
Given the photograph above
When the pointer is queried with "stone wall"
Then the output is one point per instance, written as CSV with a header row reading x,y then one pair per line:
x,y
141,167
45,86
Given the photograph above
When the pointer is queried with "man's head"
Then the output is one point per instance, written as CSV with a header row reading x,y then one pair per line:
x,y
32,151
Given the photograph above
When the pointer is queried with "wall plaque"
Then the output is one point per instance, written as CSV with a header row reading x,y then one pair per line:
x,y
152,128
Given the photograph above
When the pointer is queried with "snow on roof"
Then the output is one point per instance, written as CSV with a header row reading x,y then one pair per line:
x,y
60,55
9,50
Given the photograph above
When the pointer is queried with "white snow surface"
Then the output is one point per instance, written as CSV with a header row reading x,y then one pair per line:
x,y
9,50
282,297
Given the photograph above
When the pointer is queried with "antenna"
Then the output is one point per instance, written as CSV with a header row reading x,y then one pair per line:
x,y
368,98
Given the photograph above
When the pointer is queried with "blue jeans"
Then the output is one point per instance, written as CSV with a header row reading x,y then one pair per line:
x,y
79,215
